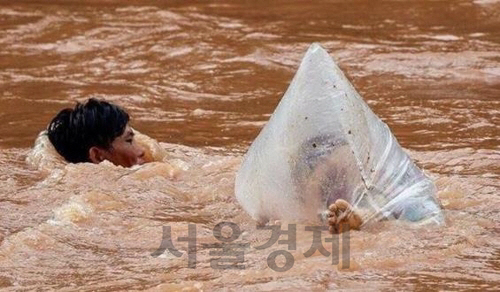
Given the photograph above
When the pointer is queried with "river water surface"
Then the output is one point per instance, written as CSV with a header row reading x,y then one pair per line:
x,y
202,78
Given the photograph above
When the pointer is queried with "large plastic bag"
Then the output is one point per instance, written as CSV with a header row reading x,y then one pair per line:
x,y
323,143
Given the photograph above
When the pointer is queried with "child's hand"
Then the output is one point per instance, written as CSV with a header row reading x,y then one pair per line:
x,y
342,217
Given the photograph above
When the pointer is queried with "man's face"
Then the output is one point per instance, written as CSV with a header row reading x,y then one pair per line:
x,y
124,150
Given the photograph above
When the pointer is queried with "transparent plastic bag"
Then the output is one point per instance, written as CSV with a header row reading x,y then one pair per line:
x,y
323,143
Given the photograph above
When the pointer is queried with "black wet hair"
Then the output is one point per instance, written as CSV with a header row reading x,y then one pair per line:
x,y
94,123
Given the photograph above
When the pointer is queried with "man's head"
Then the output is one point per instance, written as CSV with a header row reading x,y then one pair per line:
x,y
95,131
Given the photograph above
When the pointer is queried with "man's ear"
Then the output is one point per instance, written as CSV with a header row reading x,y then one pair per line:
x,y
96,154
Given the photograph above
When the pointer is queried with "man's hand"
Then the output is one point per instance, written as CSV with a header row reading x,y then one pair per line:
x,y
342,217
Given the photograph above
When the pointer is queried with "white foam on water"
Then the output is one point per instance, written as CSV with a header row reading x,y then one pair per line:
x,y
72,212
486,2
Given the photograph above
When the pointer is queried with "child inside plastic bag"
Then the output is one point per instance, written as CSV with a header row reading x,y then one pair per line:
x,y
325,155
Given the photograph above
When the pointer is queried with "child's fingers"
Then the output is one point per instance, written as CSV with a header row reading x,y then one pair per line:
x,y
342,205
333,208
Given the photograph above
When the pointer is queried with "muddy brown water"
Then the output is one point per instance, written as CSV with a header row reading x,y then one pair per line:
x,y
202,78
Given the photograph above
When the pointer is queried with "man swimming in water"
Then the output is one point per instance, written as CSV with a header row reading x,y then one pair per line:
x,y
93,132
